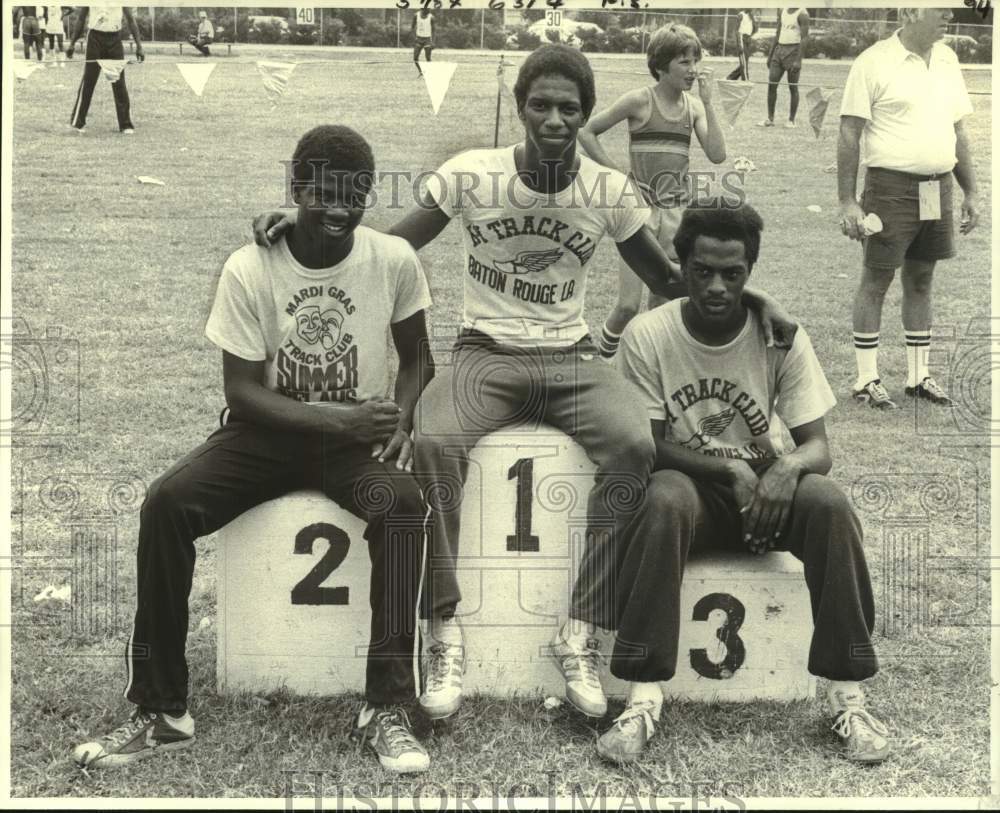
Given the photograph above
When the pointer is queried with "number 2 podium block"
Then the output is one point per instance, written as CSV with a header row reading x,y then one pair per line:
x,y
294,578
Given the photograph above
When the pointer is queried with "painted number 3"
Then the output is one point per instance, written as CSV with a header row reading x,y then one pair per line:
x,y
308,591
727,633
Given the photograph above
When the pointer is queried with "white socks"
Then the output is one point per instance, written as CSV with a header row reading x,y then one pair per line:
x,y
918,345
446,631
866,355
576,632
646,693
845,693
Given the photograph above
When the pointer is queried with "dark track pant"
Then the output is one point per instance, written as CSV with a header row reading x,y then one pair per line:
x,y
102,45
742,71
200,44
489,386
242,465
682,515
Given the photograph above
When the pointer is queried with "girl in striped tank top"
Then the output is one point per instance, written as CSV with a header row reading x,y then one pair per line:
x,y
660,120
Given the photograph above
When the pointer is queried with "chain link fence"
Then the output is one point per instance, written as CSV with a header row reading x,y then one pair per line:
x,y
835,33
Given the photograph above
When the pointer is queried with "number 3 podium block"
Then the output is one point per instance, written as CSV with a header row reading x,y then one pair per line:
x,y
294,579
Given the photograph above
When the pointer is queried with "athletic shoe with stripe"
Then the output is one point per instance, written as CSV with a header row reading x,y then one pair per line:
x,y
443,694
865,738
143,734
581,670
627,738
874,394
930,390
387,732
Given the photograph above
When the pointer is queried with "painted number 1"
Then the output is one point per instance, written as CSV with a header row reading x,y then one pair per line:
x,y
727,633
522,539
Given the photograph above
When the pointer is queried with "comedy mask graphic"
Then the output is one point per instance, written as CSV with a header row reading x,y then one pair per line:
x,y
313,326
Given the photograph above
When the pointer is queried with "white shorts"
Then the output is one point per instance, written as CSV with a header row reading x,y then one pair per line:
x,y
663,224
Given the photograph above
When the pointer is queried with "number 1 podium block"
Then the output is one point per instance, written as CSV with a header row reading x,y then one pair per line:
x,y
294,576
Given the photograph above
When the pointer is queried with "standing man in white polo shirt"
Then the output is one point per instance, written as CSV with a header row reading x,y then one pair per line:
x,y
104,41
903,116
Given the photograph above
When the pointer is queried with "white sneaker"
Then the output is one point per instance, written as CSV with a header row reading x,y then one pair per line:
x,y
581,670
865,738
442,695
789,125
765,123
128,131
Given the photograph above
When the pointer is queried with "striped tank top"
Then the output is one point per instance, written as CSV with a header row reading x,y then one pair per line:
x,y
660,151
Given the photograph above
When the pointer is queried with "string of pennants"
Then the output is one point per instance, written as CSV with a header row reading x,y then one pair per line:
x,y
276,78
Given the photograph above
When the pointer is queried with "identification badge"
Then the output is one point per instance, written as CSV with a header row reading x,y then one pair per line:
x,y
930,200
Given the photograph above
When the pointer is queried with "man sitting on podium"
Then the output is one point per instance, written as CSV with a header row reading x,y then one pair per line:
x,y
713,391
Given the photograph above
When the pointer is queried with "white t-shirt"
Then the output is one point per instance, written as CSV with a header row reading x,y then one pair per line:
x,y
322,331
424,29
105,18
54,22
525,272
790,31
746,25
911,107
722,400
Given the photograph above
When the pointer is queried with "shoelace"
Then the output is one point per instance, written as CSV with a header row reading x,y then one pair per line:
x,y
441,664
395,726
860,718
584,664
124,732
878,391
634,714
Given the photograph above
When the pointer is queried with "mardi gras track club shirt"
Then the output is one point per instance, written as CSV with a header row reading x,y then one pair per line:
x,y
722,400
526,252
321,331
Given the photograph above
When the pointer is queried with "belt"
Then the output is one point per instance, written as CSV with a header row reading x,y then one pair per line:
x,y
911,176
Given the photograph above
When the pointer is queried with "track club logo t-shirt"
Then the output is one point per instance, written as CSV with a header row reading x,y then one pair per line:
x,y
323,332
525,273
722,400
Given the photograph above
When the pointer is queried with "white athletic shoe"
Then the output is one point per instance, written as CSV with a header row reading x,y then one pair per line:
x,y
443,694
789,125
128,131
581,670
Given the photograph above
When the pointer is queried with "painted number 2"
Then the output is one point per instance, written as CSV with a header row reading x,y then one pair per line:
x,y
727,633
308,591
522,539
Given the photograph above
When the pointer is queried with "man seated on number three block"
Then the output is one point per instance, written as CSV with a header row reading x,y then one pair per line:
x,y
532,216
303,333
712,390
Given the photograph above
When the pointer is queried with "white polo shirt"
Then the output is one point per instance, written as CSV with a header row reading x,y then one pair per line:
x,y
911,107
105,18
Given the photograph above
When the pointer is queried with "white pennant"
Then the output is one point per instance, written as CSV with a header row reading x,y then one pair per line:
x,y
437,77
112,68
275,76
196,74
24,69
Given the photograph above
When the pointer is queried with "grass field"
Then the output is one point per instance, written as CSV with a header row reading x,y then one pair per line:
x,y
128,272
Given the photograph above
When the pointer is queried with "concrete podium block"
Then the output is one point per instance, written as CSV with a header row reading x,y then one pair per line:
x,y
745,627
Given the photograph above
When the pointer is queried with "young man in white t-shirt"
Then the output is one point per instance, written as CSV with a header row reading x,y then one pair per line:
x,y
302,329
713,392
532,216
422,29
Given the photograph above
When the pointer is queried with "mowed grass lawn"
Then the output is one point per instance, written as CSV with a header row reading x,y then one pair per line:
x,y
128,271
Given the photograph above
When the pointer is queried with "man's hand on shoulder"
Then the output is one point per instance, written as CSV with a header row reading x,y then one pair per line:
x,y
269,226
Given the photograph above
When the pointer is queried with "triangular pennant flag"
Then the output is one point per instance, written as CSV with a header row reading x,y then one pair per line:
x,y
733,94
275,76
196,74
112,68
437,77
818,102
23,69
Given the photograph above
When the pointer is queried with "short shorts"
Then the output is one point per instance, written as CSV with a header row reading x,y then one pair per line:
x,y
894,197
